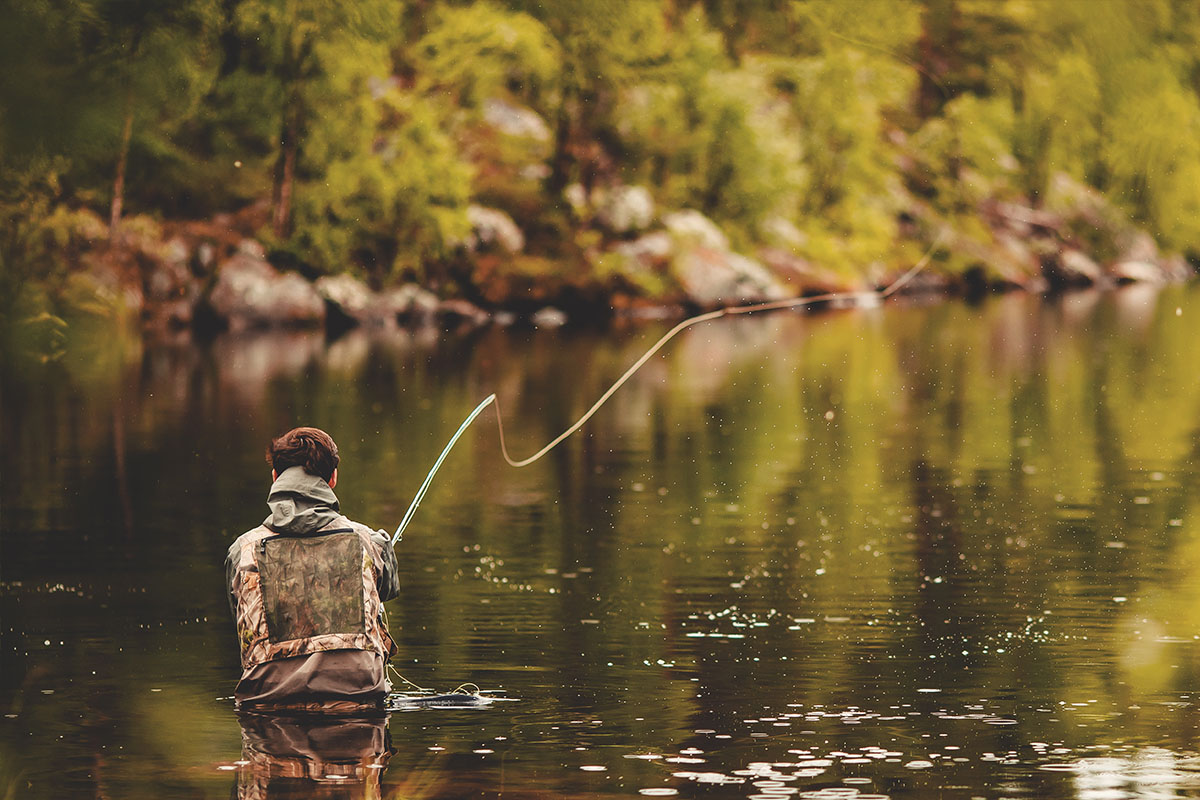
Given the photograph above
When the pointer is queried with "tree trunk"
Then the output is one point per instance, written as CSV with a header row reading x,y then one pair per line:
x,y
118,195
937,54
285,171
560,162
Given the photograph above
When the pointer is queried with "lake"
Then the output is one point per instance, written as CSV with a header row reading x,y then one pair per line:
x,y
926,550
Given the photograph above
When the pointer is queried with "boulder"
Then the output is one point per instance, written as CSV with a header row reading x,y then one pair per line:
x,y
252,248
801,275
491,228
577,198
693,228
1136,272
459,313
647,252
623,209
347,299
1139,246
171,278
171,289
516,121
781,233
1177,268
206,255
409,304
711,278
1071,267
250,293
548,317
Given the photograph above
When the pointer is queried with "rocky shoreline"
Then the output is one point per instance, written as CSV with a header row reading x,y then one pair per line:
x,y
215,275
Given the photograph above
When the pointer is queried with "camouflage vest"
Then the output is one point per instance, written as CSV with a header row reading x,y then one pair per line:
x,y
304,594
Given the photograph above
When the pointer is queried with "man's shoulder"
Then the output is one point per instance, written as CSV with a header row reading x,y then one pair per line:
x,y
364,530
251,535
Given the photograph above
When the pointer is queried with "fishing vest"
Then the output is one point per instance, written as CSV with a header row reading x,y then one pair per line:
x,y
298,595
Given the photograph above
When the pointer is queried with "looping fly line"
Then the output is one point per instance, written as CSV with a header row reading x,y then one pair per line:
x,y
775,305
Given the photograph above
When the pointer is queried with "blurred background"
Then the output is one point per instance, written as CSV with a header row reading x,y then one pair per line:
x,y
593,156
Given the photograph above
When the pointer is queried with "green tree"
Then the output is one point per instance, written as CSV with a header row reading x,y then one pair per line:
x,y
160,60
312,60
709,134
73,80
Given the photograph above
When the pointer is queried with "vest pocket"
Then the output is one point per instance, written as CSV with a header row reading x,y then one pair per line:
x,y
312,586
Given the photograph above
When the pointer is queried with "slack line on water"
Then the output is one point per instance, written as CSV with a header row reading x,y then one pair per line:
x,y
794,302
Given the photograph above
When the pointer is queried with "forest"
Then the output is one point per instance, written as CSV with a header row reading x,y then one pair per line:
x,y
594,153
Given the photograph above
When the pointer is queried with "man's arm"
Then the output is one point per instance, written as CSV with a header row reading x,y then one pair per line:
x,y
231,563
388,583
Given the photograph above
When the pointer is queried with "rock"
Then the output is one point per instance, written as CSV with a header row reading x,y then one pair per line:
x,y
801,275
1136,272
176,251
461,312
1177,268
1017,253
206,254
534,172
717,278
1025,220
783,234
170,278
1139,246
548,318
379,86
409,304
647,252
513,120
626,208
250,293
1071,267
640,268
252,248
348,301
860,300
492,228
999,260
171,289
577,198
693,228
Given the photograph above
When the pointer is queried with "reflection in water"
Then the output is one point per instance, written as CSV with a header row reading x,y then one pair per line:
x,y
916,551
312,756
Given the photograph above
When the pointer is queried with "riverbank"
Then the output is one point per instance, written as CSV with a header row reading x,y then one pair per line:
x,y
215,275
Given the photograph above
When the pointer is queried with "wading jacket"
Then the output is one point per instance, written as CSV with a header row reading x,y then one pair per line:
x,y
307,589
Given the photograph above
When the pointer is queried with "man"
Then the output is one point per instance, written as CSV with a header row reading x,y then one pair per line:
x,y
307,589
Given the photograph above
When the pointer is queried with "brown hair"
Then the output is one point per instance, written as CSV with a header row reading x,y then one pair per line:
x,y
311,448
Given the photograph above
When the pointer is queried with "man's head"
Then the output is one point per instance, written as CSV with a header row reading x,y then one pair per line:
x,y
311,448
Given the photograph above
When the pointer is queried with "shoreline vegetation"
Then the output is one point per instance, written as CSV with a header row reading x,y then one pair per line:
x,y
249,164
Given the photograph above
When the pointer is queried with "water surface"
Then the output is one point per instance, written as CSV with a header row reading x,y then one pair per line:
x,y
915,551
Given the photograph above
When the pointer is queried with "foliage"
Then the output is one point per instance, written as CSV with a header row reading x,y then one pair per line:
x,y
709,135
371,126
394,204
482,51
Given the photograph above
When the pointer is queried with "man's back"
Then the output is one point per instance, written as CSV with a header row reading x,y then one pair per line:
x,y
307,589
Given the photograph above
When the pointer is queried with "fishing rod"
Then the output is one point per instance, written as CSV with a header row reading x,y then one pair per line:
x,y
429,478
793,302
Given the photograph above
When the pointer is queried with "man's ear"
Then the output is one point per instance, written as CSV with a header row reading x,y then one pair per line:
x,y
333,478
